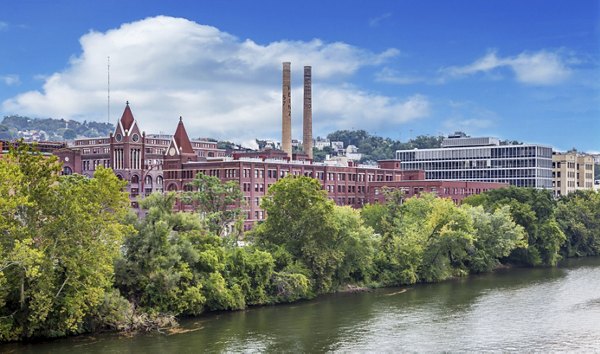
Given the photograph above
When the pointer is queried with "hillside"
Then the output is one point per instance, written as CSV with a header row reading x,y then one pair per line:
x,y
50,129
374,148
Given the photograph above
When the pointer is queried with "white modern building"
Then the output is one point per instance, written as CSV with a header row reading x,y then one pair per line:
x,y
482,159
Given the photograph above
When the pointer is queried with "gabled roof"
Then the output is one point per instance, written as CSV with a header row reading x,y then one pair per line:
x,y
127,119
181,139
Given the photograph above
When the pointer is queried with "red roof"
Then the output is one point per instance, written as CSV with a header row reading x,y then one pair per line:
x,y
127,118
182,140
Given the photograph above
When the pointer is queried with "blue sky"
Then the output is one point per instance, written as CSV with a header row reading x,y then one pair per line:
x,y
518,70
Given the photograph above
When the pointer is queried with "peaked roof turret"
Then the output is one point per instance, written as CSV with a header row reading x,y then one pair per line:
x,y
127,118
182,140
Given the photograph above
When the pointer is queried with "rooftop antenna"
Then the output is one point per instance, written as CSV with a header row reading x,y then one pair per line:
x,y
108,87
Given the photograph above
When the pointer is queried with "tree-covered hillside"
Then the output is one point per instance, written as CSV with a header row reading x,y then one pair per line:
x,y
374,148
14,127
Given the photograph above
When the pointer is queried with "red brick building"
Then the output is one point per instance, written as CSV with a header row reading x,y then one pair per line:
x,y
346,184
45,147
133,155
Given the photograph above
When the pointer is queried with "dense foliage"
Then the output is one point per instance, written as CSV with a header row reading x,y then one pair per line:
x,y
72,260
430,239
58,239
578,215
534,210
306,231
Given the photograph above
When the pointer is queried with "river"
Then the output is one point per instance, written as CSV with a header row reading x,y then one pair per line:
x,y
515,310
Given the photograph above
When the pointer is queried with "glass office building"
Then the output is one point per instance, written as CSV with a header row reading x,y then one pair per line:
x,y
482,159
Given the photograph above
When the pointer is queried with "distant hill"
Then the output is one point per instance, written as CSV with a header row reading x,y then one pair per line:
x,y
50,129
374,148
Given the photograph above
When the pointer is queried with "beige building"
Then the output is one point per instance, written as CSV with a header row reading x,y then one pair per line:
x,y
571,172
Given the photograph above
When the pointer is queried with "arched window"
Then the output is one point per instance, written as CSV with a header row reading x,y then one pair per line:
x,y
135,179
67,171
148,181
119,176
159,181
172,187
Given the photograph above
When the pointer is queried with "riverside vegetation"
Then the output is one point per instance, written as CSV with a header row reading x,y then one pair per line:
x,y
74,260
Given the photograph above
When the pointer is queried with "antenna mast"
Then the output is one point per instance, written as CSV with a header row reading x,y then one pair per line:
x,y
108,107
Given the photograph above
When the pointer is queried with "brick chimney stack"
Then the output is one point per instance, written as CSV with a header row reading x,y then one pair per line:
x,y
307,139
286,116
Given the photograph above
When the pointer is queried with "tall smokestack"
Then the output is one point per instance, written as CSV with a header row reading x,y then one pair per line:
x,y
307,140
286,116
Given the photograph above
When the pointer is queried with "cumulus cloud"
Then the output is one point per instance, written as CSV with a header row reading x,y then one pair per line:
x,y
10,80
223,86
538,68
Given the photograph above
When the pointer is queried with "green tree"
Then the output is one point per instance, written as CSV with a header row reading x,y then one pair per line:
x,y
218,204
357,242
496,236
425,239
152,272
57,244
373,216
578,215
252,270
69,134
534,210
300,219
175,265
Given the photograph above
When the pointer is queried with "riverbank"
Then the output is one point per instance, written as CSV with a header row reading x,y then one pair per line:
x,y
519,310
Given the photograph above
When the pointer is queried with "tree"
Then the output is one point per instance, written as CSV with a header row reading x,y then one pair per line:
x,y
175,265
373,215
218,204
578,215
152,273
59,236
300,219
251,270
425,239
533,209
357,242
496,236
69,134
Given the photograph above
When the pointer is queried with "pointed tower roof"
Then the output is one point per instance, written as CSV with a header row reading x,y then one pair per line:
x,y
182,140
127,119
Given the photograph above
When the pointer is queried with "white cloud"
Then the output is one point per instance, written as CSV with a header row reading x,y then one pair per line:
x,y
470,118
224,87
375,21
392,76
539,68
355,108
10,80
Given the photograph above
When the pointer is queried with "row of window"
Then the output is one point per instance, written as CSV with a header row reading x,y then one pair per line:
x,y
91,165
488,174
91,142
474,153
476,164
273,174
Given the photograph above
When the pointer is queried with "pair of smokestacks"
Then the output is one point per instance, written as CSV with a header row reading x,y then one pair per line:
x,y
286,134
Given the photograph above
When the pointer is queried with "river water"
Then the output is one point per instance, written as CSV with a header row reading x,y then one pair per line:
x,y
516,310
